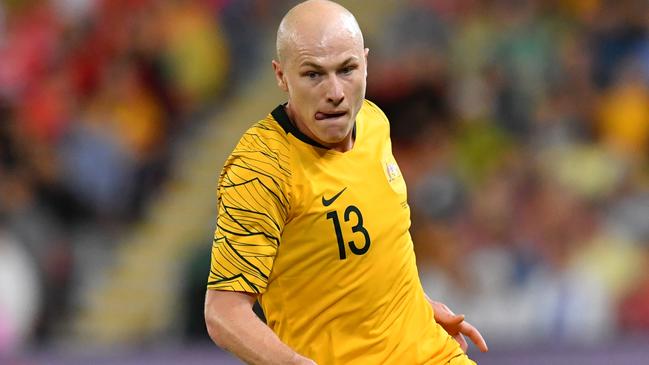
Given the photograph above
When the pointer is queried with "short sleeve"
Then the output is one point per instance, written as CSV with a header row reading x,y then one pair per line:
x,y
253,206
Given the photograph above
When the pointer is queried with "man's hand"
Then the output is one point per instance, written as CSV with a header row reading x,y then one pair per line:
x,y
301,360
457,327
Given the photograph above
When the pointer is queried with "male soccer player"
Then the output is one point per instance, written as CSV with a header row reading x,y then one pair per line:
x,y
313,221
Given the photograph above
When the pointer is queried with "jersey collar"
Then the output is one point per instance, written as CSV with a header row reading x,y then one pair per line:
x,y
280,115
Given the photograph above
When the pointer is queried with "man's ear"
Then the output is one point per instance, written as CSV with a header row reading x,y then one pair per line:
x,y
279,76
367,51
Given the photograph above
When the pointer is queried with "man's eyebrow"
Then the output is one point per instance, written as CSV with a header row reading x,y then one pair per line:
x,y
311,64
350,60
316,66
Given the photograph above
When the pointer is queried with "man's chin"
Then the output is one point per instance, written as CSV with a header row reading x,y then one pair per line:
x,y
333,139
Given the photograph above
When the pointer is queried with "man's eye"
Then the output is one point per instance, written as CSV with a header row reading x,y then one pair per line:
x,y
312,75
347,70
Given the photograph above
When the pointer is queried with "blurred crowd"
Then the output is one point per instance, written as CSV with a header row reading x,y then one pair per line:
x,y
522,129
94,95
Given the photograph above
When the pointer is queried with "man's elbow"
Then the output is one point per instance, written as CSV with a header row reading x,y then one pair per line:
x,y
225,313
215,325
215,328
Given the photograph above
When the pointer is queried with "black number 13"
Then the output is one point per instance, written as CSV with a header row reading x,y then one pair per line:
x,y
333,215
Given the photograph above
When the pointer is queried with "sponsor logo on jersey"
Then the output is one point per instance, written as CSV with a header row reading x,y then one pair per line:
x,y
392,171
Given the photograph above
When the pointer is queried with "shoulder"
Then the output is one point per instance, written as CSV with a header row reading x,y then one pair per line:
x,y
264,145
264,136
374,113
374,119
262,159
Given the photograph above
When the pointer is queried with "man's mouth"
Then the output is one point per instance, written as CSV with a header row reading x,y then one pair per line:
x,y
323,116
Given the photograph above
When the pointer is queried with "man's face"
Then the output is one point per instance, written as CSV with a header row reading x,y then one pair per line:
x,y
325,79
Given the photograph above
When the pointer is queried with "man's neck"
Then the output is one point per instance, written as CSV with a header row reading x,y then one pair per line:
x,y
343,146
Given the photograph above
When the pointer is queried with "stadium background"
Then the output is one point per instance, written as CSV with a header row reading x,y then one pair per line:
x,y
521,127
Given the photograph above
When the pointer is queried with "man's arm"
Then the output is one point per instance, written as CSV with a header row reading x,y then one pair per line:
x,y
232,325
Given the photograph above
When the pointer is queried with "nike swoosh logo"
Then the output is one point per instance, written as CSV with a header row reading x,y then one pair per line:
x,y
328,202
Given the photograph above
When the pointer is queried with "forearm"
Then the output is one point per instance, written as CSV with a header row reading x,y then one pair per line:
x,y
251,340
237,329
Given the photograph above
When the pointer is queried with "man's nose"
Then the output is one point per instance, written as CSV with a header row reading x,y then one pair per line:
x,y
335,92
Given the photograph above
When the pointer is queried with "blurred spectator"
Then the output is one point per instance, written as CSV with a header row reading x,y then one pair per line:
x,y
97,168
18,311
616,31
634,307
196,54
624,113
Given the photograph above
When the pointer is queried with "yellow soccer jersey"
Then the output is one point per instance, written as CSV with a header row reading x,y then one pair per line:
x,y
323,237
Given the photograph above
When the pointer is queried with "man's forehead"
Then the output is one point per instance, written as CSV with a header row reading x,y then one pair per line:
x,y
333,46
